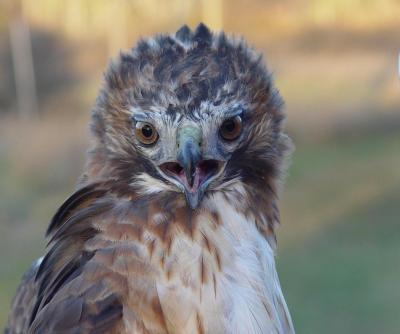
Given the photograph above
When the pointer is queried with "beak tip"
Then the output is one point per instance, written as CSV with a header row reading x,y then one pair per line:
x,y
192,200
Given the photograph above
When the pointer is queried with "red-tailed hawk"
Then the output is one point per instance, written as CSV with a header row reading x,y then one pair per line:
x,y
172,227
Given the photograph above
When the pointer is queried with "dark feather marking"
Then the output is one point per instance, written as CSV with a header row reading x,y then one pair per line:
x,y
185,218
200,325
50,282
169,273
275,215
69,272
72,225
203,274
215,285
206,241
105,311
215,218
151,247
189,222
267,309
71,203
184,34
275,207
202,35
183,92
271,190
217,259
158,311
168,58
169,245
162,260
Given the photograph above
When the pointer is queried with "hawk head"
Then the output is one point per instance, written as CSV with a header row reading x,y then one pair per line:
x,y
190,113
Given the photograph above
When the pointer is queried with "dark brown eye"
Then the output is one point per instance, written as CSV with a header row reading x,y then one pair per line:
x,y
146,133
231,128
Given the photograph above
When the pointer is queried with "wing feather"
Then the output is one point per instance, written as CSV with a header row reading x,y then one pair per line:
x,y
55,295
23,302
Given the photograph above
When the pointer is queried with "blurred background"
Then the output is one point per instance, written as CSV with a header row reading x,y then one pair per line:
x,y
335,63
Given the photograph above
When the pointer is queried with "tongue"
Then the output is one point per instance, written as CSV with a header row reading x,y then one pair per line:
x,y
198,177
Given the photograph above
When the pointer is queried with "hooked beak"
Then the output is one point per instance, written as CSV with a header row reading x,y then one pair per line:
x,y
192,172
189,156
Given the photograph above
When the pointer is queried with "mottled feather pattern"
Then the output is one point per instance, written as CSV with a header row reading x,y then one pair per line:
x,y
139,240
125,253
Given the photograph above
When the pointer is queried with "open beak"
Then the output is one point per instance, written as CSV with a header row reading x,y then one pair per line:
x,y
192,172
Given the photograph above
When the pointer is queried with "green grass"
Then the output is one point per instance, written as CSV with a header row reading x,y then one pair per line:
x,y
344,279
339,253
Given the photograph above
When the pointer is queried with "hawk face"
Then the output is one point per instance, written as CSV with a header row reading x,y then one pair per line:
x,y
191,113
189,152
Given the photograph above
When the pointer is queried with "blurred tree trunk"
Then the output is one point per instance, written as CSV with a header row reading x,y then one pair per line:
x,y
24,74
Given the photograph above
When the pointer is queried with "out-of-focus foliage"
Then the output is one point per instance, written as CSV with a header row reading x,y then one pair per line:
x,y
335,62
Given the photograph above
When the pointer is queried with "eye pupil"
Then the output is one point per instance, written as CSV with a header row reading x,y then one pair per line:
x,y
229,125
147,131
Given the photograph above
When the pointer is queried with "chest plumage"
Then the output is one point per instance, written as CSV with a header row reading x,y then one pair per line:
x,y
207,271
226,281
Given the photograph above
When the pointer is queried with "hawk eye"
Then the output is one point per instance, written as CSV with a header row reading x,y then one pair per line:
x,y
231,128
146,133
